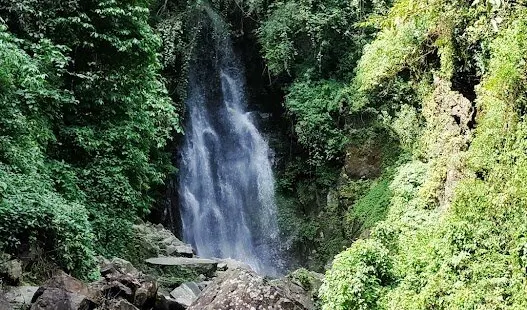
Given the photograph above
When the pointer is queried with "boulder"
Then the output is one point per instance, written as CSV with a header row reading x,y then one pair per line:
x,y
60,299
4,304
122,281
145,295
64,282
186,293
295,292
241,289
117,289
154,240
184,250
117,265
227,263
20,296
11,271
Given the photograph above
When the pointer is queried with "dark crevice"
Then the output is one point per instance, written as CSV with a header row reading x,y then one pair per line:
x,y
465,83
457,119
472,123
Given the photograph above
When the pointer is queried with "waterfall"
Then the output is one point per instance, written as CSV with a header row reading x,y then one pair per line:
x,y
226,184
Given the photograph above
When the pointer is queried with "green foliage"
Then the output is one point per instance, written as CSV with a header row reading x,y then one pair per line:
x,y
303,277
371,208
86,119
32,212
300,35
316,108
357,277
455,224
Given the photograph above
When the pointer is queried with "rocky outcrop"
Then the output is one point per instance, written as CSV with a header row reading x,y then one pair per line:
x,y
122,287
186,293
363,161
155,240
219,284
20,297
241,289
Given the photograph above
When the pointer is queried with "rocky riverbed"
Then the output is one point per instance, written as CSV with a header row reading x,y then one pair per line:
x,y
174,279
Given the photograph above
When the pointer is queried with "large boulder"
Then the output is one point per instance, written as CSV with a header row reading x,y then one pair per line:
x,y
241,289
60,299
155,240
122,281
68,284
186,293
19,297
64,292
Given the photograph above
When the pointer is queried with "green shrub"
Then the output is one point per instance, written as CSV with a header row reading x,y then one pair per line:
x,y
316,109
357,277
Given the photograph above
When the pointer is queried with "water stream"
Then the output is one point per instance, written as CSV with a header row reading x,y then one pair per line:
x,y
226,184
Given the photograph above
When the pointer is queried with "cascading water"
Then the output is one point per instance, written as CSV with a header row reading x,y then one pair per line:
x,y
226,185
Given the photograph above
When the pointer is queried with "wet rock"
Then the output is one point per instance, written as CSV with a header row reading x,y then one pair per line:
x,y
186,293
241,289
19,297
228,263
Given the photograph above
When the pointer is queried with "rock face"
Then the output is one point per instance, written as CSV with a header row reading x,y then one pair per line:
x,y
122,288
20,297
220,284
63,292
241,289
186,293
363,162
4,304
155,240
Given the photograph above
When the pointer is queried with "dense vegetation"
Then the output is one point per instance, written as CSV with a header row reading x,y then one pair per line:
x,y
85,118
411,119
403,126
